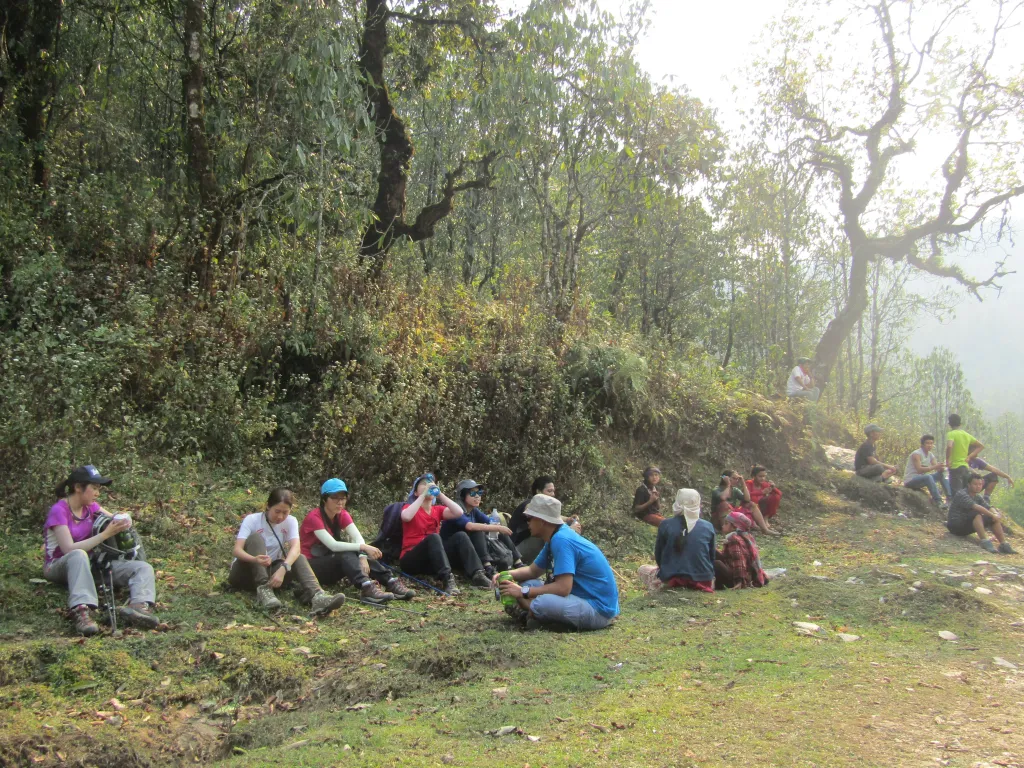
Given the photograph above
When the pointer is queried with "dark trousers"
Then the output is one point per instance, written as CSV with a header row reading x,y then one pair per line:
x,y
479,540
428,557
462,553
958,479
332,568
724,577
248,576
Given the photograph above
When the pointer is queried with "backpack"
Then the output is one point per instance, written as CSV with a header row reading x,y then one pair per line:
x,y
126,545
389,536
501,556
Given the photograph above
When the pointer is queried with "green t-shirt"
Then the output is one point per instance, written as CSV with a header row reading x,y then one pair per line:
x,y
961,447
734,496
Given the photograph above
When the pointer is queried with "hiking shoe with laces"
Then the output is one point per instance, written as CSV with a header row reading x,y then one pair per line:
x,y
81,616
400,591
323,603
371,592
987,545
480,581
266,598
1006,549
490,571
449,586
139,615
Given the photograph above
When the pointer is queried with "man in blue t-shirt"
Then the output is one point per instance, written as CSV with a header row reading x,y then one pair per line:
x,y
583,594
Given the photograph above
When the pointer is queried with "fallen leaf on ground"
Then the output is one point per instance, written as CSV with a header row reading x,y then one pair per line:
x,y
601,728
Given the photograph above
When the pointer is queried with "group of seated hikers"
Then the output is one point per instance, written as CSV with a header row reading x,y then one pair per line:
x,y
968,493
428,536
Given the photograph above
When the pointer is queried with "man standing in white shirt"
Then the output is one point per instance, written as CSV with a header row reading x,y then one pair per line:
x,y
800,381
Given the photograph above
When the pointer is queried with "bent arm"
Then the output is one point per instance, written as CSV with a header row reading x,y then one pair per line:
x,y
294,550
240,553
63,535
325,538
949,451
410,512
915,459
452,510
975,449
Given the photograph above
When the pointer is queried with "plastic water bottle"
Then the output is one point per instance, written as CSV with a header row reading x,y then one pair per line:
x,y
505,599
434,491
495,520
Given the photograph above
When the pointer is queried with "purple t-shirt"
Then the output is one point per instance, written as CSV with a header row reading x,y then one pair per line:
x,y
978,464
60,514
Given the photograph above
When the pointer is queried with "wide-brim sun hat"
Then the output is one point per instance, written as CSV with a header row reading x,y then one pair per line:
x,y
546,508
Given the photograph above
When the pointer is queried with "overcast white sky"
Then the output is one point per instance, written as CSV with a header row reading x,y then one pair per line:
x,y
705,46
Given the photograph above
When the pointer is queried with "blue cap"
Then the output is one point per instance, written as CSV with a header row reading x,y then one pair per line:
x,y
334,485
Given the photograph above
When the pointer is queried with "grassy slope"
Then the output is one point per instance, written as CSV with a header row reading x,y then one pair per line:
x,y
681,679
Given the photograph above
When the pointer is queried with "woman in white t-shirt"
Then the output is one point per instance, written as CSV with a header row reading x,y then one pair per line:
x,y
268,555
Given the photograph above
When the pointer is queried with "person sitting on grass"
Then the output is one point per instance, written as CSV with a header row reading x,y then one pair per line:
x,y
685,549
479,527
583,594
925,470
763,492
866,463
268,555
733,495
738,565
67,541
647,499
530,546
970,513
423,551
335,549
801,383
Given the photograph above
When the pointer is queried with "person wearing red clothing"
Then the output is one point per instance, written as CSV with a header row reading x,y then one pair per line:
x,y
422,548
763,492
738,565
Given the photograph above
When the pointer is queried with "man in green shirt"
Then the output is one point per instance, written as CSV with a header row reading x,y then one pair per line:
x,y
961,449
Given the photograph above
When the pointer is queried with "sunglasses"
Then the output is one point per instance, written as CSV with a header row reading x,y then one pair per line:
x,y
338,495
477,492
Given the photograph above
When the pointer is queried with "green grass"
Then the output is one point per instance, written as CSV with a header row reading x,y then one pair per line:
x,y
680,679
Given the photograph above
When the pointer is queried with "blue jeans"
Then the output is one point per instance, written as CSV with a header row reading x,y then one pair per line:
x,y
571,610
932,482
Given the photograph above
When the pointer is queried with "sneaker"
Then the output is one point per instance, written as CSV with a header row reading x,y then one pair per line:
x,y
82,618
400,591
371,592
139,615
480,580
323,603
490,571
987,545
1006,549
448,585
266,598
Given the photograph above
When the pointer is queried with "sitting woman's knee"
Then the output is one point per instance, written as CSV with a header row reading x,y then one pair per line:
x,y
77,555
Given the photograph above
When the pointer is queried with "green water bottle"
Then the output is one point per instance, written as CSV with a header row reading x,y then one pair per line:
x,y
506,600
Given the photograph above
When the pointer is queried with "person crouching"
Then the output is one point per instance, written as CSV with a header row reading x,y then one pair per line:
x,y
738,565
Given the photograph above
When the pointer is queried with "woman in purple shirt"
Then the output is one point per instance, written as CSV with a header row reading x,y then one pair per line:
x,y
67,539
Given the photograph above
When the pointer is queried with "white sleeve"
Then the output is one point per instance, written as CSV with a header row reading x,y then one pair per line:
x,y
325,538
354,535
245,530
290,529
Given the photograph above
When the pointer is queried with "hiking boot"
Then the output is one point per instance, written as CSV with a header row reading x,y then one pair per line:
x,y
266,599
139,615
448,585
479,580
490,571
82,618
1006,549
400,591
323,603
987,545
371,592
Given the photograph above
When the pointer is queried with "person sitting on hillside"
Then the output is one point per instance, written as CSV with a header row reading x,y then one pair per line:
x,y
763,492
866,463
268,555
961,449
801,383
733,495
647,499
530,546
583,594
685,549
423,551
991,476
68,538
335,549
970,513
491,541
738,565
925,470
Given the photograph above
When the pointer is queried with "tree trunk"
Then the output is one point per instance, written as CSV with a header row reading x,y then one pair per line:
x,y
827,351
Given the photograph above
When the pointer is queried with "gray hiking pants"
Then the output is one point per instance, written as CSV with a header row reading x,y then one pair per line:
x,y
74,570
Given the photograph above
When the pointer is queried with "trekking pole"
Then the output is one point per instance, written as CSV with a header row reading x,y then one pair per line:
x,y
108,594
421,583
390,607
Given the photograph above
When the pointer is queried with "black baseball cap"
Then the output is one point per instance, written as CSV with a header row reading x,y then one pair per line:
x,y
89,475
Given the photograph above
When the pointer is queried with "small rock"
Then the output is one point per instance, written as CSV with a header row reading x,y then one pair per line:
x,y
947,635
982,562
983,590
917,584
1001,662
881,600
816,563
966,584
848,638
807,625
448,759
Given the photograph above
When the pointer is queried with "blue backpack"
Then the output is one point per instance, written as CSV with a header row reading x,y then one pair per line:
x,y
389,536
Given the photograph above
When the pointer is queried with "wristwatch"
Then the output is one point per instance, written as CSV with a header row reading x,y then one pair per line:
x,y
287,568
526,592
